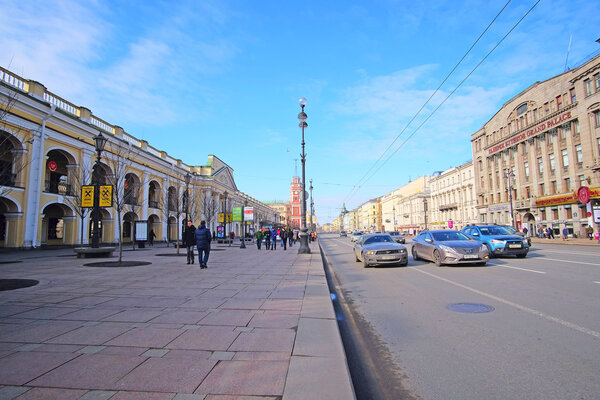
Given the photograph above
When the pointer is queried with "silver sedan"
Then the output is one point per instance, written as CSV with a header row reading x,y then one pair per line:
x,y
379,249
448,247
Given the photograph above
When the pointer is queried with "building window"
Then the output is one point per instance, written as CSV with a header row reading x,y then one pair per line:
x,y
546,108
569,212
573,95
576,127
552,162
543,215
565,158
553,187
527,192
597,81
597,119
588,87
541,189
540,165
538,143
555,214
524,146
579,154
581,180
567,184
558,102
522,109
526,167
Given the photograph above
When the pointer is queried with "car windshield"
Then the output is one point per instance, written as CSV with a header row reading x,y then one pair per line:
x,y
357,233
493,230
394,233
450,235
378,238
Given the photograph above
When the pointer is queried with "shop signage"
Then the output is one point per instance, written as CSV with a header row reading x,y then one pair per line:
x,y
237,214
106,196
583,194
52,166
87,196
248,214
529,133
569,198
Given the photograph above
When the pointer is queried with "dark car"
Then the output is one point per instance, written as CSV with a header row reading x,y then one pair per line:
x,y
498,240
448,247
397,236
379,249
343,233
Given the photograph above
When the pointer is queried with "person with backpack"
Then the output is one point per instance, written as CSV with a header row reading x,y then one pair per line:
x,y
203,239
283,236
259,236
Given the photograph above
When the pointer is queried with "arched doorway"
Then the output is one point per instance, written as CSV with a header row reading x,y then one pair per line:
x,y
9,212
10,156
172,229
127,232
529,223
57,224
131,190
154,195
154,225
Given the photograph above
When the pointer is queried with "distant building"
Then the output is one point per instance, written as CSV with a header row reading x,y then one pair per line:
x,y
296,202
453,198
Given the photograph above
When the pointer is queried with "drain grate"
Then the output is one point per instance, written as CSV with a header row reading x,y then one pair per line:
x,y
472,308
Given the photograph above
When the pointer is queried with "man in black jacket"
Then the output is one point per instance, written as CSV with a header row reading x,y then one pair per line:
x,y
189,241
203,238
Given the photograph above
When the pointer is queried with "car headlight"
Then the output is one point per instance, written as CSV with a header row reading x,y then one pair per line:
x,y
497,242
447,248
370,252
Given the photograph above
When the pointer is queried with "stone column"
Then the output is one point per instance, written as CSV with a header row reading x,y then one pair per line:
x,y
145,195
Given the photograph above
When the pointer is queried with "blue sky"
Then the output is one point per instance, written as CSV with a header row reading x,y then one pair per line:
x,y
223,77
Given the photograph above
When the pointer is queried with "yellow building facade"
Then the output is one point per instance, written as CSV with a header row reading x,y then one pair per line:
x,y
47,154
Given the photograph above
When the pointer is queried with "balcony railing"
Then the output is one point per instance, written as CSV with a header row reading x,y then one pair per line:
x,y
58,188
153,204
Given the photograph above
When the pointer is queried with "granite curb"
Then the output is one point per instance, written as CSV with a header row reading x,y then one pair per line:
x,y
255,324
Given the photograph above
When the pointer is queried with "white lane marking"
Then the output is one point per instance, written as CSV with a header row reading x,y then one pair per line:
x,y
567,252
521,269
572,262
597,282
517,306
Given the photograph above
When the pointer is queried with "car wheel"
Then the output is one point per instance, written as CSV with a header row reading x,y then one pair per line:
x,y
522,255
365,265
437,258
414,254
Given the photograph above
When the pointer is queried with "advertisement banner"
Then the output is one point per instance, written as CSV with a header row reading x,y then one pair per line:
x,y
248,213
237,214
87,196
221,218
106,196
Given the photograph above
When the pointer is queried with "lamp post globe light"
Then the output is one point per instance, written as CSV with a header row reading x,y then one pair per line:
x,y
304,249
100,142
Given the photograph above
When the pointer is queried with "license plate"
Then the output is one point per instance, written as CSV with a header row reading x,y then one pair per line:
x,y
388,257
514,246
470,256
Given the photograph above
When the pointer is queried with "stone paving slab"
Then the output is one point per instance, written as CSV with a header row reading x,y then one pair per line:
x,y
254,325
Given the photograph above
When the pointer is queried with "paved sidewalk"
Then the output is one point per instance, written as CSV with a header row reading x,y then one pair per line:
x,y
254,325
571,241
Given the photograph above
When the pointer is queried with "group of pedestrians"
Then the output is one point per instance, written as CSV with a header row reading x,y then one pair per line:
x,y
270,237
199,238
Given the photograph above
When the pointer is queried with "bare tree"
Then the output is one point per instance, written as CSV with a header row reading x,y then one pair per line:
x,y
133,197
77,180
209,207
119,157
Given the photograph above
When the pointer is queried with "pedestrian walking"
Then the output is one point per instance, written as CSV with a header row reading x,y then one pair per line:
x,y
290,235
590,232
189,241
258,235
274,239
152,235
267,236
525,231
565,233
283,236
203,239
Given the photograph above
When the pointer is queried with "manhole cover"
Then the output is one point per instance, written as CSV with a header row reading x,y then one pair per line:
x,y
12,284
470,307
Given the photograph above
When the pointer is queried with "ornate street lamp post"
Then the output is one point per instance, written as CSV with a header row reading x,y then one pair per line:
x,y
243,245
304,249
187,195
508,174
225,219
100,143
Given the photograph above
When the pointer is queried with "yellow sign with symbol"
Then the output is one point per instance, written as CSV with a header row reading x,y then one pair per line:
x,y
87,196
106,196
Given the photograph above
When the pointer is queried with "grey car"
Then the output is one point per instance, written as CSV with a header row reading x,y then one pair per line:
x,y
397,236
448,247
379,249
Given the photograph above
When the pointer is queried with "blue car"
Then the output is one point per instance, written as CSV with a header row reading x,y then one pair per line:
x,y
498,240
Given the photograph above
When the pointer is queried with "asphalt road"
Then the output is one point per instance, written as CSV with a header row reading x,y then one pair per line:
x,y
540,341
